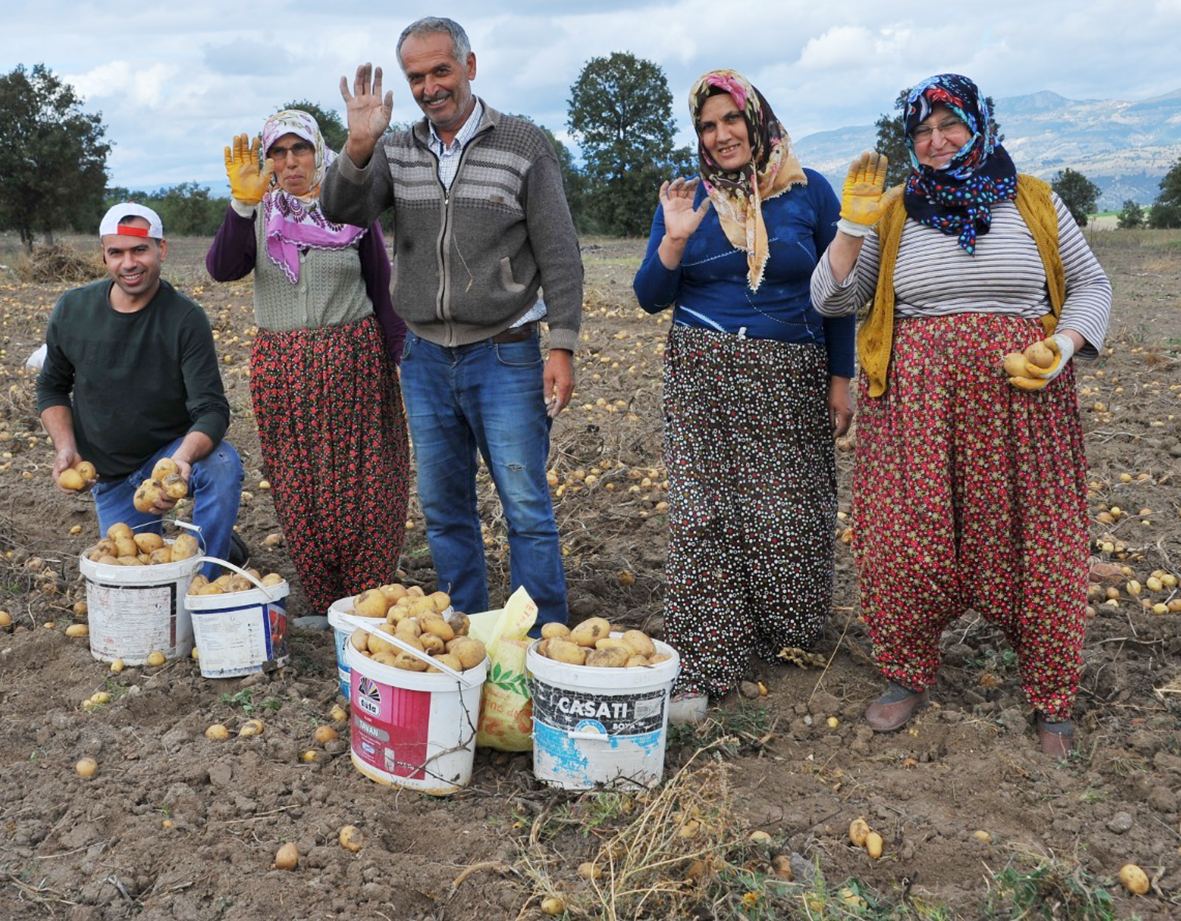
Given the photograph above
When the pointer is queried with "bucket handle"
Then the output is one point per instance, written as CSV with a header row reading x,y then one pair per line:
x,y
367,624
242,572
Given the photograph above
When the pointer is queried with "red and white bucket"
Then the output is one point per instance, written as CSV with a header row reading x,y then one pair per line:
x,y
413,729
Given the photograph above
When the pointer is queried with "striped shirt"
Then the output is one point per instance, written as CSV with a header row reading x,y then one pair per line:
x,y
935,277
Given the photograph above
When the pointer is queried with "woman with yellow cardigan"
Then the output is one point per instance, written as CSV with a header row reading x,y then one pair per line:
x,y
969,491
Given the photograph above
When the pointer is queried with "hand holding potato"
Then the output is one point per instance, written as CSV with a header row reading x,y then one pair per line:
x,y
1040,363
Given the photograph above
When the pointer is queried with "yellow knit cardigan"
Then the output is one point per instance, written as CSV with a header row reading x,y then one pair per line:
x,y
876,337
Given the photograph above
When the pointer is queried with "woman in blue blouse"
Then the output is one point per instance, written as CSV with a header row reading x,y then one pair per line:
x,y
756,385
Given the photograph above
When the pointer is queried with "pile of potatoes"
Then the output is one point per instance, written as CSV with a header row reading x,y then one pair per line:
x,y
593,643
123,547
79,477
231,582
165,483
421,621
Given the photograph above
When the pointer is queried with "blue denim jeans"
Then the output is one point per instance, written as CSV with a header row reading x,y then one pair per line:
x,y
484,397
215,487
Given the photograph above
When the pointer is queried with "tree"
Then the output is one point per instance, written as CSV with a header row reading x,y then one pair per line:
x,y
52,156
335,131
1131,216
892,137
1166,210
1077,192
620,110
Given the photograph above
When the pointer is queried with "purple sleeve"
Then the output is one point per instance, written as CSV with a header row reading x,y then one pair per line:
x,y
234,248
375,270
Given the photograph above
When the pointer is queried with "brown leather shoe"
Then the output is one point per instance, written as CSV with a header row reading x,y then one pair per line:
x,y
894,709
1056,739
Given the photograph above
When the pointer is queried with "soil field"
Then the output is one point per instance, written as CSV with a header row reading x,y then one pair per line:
x,y
975,821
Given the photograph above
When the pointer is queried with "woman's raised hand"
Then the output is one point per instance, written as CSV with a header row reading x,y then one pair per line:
x,y
680,217
862,198
368,112
248,184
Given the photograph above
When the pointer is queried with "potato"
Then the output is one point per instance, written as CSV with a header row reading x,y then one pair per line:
x,y
1041,356
1014,365
459,622
634,661
359,640
325,734
438,627
1134,879
132,560
107,547
384,658
223,581
212,588
659,657
873,845
184,547
126,546
639,641
611,657
371,603
613,642
163,555
550,630
408,626
148,542
108,560
571,653
351,838
86,470
469,652
175,486
156,658
272,578
376,644
252,727
408,662
86,767
165,466
77,630
393,591
240,584
440,600
415,591
432,644
71,479
590,631
148,494
217,733
553,905
119,529
196,582
287,857
450,661
543,648
858,831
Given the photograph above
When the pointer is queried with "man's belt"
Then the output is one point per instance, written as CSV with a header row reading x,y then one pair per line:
x,y
517,333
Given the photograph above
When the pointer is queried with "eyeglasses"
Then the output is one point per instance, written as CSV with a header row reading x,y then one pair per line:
x,y
945,127
298,149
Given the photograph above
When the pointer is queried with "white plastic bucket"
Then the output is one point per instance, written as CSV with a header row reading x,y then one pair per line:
x,y
413,729
134,611
240,633
340,636
596,726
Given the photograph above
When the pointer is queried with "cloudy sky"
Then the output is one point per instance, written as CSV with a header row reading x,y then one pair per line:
x,y
174,82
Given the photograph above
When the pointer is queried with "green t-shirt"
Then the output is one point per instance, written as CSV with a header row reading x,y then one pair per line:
x,y
135,381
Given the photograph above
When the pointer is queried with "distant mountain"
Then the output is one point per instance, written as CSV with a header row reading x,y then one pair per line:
x,y
1125,148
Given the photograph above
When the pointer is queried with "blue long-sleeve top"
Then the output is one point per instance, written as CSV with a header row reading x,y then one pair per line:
x,y
709,288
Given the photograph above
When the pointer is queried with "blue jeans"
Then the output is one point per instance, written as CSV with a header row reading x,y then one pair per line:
x,y
487,397
215,487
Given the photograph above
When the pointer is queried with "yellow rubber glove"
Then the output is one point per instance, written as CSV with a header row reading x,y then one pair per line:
x,y
248,184
1040,363
862,198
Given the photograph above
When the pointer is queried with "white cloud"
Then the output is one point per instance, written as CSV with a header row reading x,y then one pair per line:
x,y
125,83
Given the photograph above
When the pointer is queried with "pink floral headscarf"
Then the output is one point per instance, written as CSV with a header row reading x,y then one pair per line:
x,y
738,196
294,223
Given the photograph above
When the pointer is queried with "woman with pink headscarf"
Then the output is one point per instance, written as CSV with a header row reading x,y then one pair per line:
x,y
324,363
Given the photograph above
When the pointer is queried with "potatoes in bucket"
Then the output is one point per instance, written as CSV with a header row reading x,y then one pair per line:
x,y
593,644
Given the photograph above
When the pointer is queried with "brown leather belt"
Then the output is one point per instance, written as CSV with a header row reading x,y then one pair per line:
x,y
517,333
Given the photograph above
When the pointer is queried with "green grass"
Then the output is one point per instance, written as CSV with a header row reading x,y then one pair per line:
x,y
1049,890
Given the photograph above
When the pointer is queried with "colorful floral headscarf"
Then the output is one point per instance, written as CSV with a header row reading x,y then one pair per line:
x,y
294,223
738,196
957,199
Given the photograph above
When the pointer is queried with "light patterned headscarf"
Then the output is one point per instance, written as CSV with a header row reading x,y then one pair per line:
x,y
294,223
738,196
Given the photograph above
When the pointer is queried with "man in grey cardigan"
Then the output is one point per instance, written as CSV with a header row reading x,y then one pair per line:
x,y
480,226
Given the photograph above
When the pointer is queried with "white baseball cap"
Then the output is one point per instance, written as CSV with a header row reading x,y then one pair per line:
x,y
117,213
